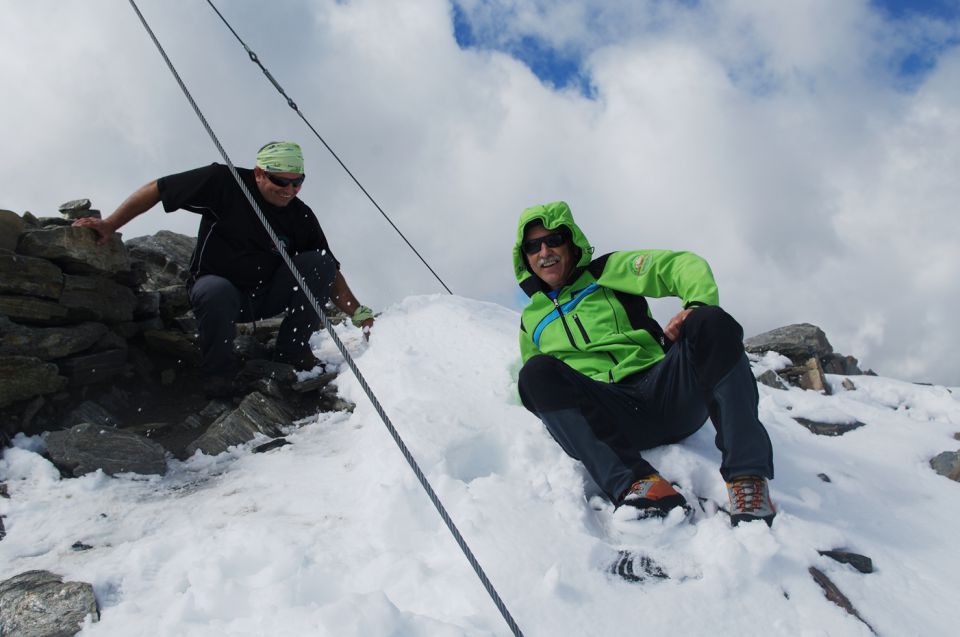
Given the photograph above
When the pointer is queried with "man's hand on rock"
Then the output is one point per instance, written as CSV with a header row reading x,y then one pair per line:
x,y
103,229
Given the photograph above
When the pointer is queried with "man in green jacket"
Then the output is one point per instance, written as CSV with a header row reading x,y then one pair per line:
x,y
608,382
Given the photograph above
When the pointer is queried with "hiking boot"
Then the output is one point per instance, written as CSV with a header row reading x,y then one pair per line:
x,y
300,362
750,500
653,497
223,385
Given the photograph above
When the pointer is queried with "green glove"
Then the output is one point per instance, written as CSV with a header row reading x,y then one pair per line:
x,y
360,315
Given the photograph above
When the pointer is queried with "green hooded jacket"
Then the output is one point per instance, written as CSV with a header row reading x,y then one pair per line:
x,y
600,323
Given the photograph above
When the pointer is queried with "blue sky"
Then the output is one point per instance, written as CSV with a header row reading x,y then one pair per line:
x,y
560,67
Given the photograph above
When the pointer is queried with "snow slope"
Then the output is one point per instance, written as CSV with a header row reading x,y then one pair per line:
x,y
333,534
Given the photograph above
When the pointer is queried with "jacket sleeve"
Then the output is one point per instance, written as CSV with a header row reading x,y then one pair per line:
x,y
660,273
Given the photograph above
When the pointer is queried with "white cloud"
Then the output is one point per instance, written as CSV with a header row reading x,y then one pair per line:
x,y
773,139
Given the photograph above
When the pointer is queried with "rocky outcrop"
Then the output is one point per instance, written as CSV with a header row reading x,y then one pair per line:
x,y
100,340
41,604
810,353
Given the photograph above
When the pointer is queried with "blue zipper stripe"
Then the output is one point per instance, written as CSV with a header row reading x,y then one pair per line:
x,y
566,307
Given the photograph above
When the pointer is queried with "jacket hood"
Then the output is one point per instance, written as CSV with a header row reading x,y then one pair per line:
x,y
552,216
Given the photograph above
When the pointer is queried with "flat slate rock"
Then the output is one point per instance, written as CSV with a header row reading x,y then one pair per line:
x,y
47,343
797,342
25,377
86,447
829,428
860,562
257,414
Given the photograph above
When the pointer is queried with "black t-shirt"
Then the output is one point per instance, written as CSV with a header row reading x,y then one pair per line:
x,y
232,242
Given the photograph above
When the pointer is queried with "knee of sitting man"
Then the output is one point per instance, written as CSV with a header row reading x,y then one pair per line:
x,y
212,290
540,368
712,322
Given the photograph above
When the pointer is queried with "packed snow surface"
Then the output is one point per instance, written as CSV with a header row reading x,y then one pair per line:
x,y
333,535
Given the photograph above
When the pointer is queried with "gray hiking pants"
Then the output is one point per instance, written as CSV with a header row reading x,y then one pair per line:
x,y
605,426
219,305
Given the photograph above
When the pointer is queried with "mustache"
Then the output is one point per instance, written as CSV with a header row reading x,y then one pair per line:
x,y
548,260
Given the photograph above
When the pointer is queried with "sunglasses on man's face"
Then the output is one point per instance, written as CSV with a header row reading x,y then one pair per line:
x,y
553,240
283,182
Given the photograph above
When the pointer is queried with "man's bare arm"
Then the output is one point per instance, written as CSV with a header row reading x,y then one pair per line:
x,y
143,199
343,298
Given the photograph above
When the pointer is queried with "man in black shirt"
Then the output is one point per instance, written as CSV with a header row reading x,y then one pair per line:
x,y
237,273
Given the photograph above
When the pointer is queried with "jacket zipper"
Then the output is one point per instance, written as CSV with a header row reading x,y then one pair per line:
x,y
566,328
583,332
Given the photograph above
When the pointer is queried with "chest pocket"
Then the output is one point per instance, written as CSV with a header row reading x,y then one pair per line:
x,y
570,307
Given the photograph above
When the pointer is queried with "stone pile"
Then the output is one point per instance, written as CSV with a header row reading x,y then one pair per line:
x,y
810,353
98,346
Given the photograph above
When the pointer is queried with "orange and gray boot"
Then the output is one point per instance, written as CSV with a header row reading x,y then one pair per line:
x,y
653,496
750,500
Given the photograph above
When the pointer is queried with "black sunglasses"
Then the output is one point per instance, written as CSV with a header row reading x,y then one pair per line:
x,y
553,240
283,182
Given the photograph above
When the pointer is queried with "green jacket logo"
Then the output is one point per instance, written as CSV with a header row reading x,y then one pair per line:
x,y
638,263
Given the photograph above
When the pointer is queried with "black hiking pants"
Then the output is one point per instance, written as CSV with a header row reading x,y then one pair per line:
x,y
219,305
606,425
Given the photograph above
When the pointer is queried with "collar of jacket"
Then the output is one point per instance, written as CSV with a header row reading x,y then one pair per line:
x,y
533,284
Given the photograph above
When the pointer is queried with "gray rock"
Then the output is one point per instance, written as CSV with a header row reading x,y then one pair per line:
x,y
131,329
166,255
314,383
31,310
797,342
259,368
30,276
91,412
257,414
96,298
74,205
47,343
11,227
76,251
947,464
86,447
834,594
54,222
771,379
147,306
30,221
809,375
109,341
174,301
87,369
25,377
848,385
41,604
174,344
840,364
860,562
135,277
829,428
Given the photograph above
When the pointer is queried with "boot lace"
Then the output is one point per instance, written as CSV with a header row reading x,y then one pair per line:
x,y
747,494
